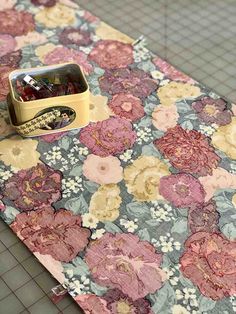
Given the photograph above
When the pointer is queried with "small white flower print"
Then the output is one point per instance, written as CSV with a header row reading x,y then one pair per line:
x,y
167,244
144,134
164,82
127,155
161,212
54,154
129,224
98,234
170,272
71,185
208,130
5,175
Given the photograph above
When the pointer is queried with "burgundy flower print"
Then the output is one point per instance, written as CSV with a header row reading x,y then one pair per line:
x,y
125,262
209,261
75,36
11,59
116,300
188,151
131,81
108,137
4,82
57,233
64,54
112,54
46,3
171,72
211,110
203,217
7,44
182,190
127,106
34,188
16,23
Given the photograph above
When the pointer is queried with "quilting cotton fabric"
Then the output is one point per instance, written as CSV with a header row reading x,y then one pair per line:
x,y
134,213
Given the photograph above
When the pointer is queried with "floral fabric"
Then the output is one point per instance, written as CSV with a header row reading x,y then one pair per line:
x,y
134,213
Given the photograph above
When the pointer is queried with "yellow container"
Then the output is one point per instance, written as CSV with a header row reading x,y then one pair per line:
x,y
61,113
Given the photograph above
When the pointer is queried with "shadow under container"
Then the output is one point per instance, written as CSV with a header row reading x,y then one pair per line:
x,y
27,116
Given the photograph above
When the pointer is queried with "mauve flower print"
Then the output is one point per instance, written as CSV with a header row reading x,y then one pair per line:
x,y
182,190
130,81
125,262
211,111
57,233
108,137
34,188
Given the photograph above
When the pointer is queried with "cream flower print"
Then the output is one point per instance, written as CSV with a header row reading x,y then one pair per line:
x,y
105,31
175,91
142,178
179,309
32,38
105,203
19,153
98,109
41,51
89,221
225,139
57,16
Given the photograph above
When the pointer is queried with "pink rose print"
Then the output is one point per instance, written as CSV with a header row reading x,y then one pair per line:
x,y
50,138
11,59
131,81
111,54
211,110
209,261
115,299
103,170
33,188
46,3
182,190
15,22
92,304
64,54
203,217
127,106
56,233
108,137
171,72
4,83
7,44
165,117
75,36
220,179
125,262
188,151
